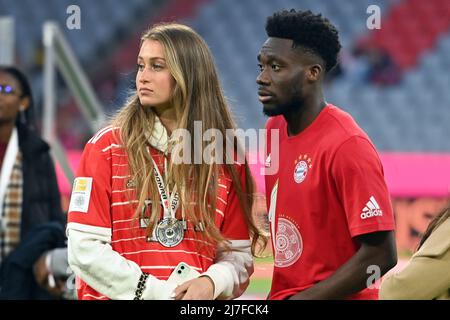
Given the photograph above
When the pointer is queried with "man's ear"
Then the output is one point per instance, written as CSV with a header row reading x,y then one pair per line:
x,y
314,72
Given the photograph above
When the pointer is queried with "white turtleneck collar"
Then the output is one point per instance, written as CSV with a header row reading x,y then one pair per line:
x,y
159,139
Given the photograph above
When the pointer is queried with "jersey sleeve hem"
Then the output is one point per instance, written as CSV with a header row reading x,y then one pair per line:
x,y
375,227
89,229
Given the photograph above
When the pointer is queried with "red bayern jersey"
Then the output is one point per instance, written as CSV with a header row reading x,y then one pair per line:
x,y
329,188
113,202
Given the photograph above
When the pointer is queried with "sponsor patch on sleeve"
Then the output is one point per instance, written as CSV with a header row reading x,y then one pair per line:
x,y
81,194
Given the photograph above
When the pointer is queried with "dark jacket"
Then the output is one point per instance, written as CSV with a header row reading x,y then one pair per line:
x,y
43,222
17,279
41,197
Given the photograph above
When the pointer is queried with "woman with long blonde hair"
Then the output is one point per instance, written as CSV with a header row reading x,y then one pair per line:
x,y
137,211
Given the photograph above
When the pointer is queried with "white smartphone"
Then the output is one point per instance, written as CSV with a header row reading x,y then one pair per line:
x,y
182,273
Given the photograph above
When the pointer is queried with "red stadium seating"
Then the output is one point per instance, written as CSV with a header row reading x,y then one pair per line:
x,y
412,27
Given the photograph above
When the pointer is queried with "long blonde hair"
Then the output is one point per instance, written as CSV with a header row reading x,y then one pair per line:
x,y
197,96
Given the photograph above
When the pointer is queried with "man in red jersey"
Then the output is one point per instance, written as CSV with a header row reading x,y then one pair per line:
x,y
331,216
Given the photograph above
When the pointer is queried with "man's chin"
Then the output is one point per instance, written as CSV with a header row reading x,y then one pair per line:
x,y
271,110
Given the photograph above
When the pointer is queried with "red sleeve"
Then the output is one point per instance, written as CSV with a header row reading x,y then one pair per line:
x,y
234,226
360,184
94,169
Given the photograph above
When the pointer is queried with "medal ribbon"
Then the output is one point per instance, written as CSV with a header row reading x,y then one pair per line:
x,y
170,203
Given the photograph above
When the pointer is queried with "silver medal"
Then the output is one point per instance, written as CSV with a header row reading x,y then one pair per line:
x,y
169,232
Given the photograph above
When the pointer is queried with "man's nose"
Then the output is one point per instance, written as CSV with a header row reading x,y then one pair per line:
x,y
262,78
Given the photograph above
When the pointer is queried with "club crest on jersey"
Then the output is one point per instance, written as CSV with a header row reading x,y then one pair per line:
x,y
131,184
302,166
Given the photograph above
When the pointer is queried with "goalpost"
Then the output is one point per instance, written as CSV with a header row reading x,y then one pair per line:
x,y
58,56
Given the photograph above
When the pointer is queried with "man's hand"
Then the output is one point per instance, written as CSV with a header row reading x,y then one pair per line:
x,y
201,288
377,248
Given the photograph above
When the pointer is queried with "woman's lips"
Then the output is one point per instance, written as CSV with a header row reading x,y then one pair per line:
x,y
145,91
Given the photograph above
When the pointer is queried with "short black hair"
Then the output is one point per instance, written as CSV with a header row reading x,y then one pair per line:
x,y
308,31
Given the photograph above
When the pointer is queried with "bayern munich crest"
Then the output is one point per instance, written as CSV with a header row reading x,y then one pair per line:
x,y
302,165
288,244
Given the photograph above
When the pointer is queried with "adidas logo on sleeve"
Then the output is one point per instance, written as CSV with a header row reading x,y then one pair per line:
x,y
371,209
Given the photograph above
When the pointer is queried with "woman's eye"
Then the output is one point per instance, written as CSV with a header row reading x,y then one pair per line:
x,y
140,66
157,67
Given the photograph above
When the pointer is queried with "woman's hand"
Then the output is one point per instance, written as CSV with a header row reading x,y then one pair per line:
x,y
201,288
45,279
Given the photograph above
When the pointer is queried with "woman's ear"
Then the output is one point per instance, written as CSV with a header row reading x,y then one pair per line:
x,y
24,104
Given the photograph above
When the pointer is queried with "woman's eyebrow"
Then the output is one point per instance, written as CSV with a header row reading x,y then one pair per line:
x,y
151,58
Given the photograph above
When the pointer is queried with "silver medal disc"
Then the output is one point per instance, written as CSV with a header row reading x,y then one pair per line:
x,y
169,232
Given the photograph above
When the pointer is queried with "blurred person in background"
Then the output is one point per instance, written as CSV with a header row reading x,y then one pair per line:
x,y
382,71
31,220
427,275
329,206
134,214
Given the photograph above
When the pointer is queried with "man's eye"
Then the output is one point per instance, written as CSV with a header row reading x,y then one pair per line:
x,y
260,67
275,67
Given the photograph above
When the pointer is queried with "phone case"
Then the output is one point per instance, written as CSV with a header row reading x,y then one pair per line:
x,y
182,273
